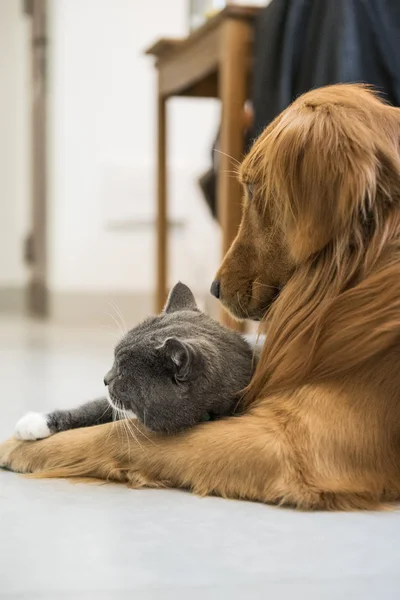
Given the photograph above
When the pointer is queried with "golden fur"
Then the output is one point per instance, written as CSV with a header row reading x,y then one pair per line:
x,y
317,258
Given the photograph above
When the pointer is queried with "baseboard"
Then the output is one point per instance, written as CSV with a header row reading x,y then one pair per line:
x,y
13,300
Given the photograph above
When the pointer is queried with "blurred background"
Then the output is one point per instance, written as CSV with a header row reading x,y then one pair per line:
x,y
78,144
97,160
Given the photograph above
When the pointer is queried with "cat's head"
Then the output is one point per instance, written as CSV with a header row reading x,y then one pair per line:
x,y
177,367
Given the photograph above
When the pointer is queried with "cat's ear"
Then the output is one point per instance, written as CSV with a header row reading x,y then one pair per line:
x,y
180,298
179,356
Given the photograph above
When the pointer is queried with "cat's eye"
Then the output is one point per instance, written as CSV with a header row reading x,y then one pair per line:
x,y
120,371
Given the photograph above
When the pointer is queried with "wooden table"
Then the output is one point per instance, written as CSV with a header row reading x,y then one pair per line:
x,y
213,62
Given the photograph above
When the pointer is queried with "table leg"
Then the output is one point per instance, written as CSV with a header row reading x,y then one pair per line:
x,y
233,92
162,223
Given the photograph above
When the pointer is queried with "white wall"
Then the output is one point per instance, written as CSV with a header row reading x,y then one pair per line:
x,y
102,150
14,142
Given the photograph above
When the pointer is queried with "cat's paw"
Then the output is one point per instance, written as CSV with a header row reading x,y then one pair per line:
x,y
32,426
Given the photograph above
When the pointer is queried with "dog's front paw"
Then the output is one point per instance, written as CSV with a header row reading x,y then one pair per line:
x,y
6,450
32,426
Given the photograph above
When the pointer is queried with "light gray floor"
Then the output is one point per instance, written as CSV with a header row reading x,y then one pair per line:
x,y
63,540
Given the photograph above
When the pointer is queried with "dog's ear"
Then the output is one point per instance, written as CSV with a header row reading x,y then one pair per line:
x,y
325,173
329,163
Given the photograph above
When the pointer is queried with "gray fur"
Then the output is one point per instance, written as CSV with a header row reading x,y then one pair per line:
x,y
94,412
173,370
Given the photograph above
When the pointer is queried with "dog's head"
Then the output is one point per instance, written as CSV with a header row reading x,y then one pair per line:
x,y
321,177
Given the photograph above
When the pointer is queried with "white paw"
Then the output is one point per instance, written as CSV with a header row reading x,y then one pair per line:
x,y
32,426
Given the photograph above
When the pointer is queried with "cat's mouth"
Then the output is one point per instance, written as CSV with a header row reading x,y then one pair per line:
x,y
121,412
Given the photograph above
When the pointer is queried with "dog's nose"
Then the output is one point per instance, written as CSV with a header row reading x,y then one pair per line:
x,y
215,288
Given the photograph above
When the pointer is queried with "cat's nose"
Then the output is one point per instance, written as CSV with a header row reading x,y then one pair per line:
x,y
107,378
215,288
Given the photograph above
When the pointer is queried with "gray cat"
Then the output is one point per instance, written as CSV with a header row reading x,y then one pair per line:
x,y
172,371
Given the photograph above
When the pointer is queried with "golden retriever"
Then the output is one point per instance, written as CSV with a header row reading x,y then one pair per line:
x,y
317,260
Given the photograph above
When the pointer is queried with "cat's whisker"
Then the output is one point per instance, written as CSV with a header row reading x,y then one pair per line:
x,y
127,424
116,322
115,412
124,432
123,416
109,431
124,426
119,431
117,319
132,422
104,412
121,316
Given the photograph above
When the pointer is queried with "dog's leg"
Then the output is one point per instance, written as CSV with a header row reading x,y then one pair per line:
x,y
234,458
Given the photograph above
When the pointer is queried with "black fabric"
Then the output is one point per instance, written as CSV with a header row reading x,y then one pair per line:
x,y
208,181
305,44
